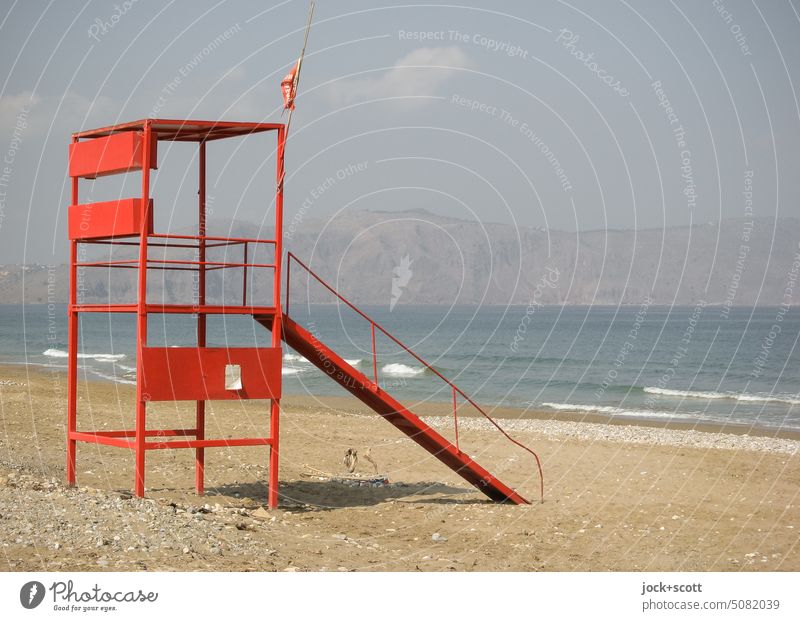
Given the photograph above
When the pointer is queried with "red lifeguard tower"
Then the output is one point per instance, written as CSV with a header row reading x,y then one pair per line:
x,y
204,373
171,373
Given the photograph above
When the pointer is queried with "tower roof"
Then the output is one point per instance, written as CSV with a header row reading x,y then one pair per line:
x,y
184,130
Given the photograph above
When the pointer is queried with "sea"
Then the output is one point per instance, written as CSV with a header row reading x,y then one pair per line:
x,y
701,364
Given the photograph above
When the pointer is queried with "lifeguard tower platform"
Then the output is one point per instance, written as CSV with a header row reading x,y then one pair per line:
x,y
199,374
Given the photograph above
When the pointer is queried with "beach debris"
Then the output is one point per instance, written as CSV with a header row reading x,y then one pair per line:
x,y
438,538
351,480
350,460
261,513
368,457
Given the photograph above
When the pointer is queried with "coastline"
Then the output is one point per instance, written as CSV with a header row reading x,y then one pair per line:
x,y
511,415
504,414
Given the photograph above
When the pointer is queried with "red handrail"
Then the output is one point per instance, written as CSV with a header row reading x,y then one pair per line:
x,y
252,240
224,241
455,389
186,265
123,263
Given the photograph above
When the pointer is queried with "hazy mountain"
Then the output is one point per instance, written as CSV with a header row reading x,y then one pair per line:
x,y
416,257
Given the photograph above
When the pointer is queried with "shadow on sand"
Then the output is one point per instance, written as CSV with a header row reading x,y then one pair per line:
x,y
328,494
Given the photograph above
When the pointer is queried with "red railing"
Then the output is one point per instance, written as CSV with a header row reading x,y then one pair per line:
x,y
455,390
184,242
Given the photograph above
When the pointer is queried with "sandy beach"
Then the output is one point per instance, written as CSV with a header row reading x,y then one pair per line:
x,y
643,496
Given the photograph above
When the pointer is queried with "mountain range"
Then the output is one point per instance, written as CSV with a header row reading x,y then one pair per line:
x,y
418,257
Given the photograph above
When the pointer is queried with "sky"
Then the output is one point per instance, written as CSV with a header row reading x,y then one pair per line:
x,y
561,115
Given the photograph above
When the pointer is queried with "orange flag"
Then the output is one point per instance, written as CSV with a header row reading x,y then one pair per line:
x,y
288,86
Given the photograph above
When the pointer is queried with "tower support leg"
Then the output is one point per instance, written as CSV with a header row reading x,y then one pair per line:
x,y
272,493
141,412
200,416
141,319
72,396
72,350
200,457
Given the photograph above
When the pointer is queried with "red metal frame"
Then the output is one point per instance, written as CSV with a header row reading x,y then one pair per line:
x,y
133,147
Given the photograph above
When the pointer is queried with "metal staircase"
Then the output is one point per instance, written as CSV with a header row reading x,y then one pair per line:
x,y
368,391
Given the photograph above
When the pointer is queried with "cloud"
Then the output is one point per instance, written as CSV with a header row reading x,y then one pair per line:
x,y
57,114
419,73
13,108
78,112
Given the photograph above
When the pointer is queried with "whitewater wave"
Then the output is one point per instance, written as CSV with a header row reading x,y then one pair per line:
x,y
402,370
298,358
291,371
60,353
611,410
702,394
113,378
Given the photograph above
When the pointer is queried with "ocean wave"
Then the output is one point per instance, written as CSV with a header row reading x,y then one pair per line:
x,y
402,370
60,353
113,378
702,394
614,411
291,371
298,358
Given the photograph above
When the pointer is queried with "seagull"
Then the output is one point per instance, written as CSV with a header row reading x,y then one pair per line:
x,y
368,457
351,459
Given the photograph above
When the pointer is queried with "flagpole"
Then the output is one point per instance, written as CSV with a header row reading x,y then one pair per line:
x,y
296,81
